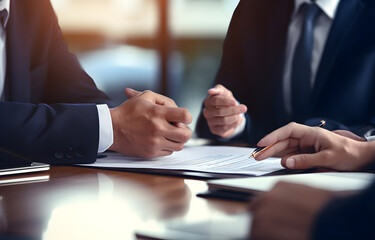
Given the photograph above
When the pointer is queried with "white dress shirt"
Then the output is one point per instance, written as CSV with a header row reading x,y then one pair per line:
x,y
322,27
4,4
105,121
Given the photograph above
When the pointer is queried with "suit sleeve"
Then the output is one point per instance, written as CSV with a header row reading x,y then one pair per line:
x,y
60,123
55,134
230,73
348,218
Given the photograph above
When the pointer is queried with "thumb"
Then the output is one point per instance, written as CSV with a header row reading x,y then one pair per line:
x,y
302,161
130,93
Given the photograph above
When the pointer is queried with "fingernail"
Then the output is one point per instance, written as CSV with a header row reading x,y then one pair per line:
x,y
290,163
180,125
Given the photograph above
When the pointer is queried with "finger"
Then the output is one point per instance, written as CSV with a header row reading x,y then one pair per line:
x,y
349,135
292,130
273,150
219,89
225,111
130,93
288,151
222,130
305,161
180,125
163,153
222,121
286,145
177,115
168,145
177,134
219,101
159,99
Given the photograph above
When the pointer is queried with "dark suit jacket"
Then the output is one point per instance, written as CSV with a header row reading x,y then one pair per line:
x,y
48,115
348,218
253,62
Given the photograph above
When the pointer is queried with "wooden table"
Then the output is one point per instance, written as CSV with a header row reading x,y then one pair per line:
x,y
85,203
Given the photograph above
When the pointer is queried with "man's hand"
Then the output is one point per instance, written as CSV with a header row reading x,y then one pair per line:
x,y
303,147
149,125
349,135
222,112
287,212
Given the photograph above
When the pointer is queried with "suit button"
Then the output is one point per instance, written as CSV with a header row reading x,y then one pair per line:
x,y
79,153
69,155
59,155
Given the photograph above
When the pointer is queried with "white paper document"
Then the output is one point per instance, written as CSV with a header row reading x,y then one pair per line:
x,y
208,159
332,181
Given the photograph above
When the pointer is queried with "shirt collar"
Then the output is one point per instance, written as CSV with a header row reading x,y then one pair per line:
x,y
5,4
329,7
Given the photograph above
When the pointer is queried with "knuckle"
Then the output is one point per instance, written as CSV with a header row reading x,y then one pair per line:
x,y
153,143
154,111
215,130
188,135
230,92
171,101
206,113
225,121
150,155
155,129
152,150
179,147
186,114
221,112
208,101
304,161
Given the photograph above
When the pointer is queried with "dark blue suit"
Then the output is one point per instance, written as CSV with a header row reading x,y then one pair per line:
x,y
348,218
48,115
253,62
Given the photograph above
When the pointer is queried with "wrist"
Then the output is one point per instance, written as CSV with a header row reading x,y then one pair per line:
x,y
113,114
366,153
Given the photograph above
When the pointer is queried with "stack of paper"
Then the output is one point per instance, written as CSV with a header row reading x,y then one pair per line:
x,y
207,159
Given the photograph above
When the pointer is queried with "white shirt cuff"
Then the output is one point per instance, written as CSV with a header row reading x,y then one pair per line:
x,y
240,128
105,128
370,138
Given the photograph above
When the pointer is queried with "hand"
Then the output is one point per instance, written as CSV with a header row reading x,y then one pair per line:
x,y
222,111
303,147
149,125
349,135
287,212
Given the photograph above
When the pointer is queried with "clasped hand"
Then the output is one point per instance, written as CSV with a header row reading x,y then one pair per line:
x,y
149,125
222,112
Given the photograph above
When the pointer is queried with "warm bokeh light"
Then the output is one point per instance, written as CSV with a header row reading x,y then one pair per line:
x,y
107,35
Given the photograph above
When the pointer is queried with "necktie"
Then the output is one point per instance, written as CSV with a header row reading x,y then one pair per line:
x,y
3,17
301,70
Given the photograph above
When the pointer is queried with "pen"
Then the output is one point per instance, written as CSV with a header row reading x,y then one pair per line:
x,y
259,150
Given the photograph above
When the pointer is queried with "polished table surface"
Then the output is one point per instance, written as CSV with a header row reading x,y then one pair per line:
x,y
86,203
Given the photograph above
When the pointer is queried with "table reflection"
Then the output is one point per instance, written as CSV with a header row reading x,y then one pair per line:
x,y
84,203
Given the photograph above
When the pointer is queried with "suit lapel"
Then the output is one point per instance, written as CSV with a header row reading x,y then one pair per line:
x,y
347,13
18,72
280,17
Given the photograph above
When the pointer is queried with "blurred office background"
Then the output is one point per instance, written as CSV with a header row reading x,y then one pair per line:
x,y
172,47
